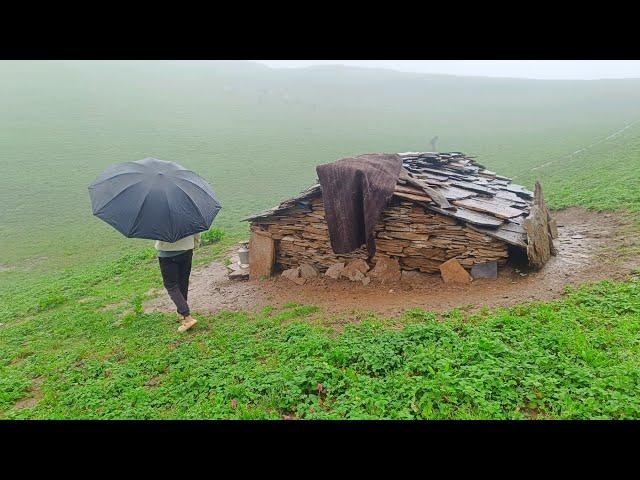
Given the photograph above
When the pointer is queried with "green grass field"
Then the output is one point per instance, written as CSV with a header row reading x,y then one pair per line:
x,y
84,341
75,343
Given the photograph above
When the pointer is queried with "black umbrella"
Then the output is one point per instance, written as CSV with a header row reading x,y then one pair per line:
x,y
153,199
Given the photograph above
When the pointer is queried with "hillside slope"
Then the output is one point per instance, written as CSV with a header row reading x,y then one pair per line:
x,y
604,176
76,343
256,133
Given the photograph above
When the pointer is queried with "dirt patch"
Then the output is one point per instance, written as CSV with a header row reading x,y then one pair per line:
x,y
114,306
589,246
87,299
153,381
35,394
211,291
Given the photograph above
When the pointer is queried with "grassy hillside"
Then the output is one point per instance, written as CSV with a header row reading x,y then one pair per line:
x,y
75,343
605,176
73,358
78,345
255,133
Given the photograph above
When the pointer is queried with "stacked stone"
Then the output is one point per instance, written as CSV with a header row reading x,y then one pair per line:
x,y
420,239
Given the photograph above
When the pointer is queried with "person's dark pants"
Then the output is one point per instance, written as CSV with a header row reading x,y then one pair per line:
x,y
175,276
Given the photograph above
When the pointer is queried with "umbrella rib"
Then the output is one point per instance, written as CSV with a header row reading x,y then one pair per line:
x,y
95,184
116,196
195,184
135,164
192,202
201,189
134,224
166,199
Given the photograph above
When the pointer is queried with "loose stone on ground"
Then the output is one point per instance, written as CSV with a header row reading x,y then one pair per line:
x,y
452,272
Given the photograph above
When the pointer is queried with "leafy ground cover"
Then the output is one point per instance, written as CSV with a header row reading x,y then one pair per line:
x,y
75,342
79,346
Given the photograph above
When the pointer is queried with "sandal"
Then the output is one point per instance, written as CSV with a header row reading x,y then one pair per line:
x,y
187,324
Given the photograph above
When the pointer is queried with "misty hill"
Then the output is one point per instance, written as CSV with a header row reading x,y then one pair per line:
x,y
256,133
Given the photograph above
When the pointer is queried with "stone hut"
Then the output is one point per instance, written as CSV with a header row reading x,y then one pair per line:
x,y
445,206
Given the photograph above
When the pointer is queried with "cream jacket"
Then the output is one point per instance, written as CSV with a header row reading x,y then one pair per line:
x,y
186,243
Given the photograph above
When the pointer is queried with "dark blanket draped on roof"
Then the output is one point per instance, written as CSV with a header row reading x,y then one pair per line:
x,y
355,191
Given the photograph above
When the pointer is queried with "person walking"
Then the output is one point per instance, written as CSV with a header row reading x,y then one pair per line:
x,y
162,201
175,265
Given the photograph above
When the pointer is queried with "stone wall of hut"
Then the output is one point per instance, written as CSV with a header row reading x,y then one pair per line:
x,y
418,238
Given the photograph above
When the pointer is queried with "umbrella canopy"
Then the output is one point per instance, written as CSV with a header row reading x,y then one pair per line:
x,y
153,199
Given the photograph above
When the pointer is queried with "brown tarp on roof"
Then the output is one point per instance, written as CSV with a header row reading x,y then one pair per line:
x,y
355,191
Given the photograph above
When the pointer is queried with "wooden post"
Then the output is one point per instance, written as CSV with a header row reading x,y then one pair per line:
x,y
262,254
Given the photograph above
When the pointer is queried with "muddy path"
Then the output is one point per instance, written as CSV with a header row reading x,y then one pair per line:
x,y
589,246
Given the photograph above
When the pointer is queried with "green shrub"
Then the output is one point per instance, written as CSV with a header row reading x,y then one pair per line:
x,y
49,301
213,235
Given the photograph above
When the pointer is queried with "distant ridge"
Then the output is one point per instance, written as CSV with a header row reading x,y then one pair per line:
x,y
390,71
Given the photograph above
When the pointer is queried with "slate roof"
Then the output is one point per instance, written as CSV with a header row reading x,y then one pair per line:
x,y
452,184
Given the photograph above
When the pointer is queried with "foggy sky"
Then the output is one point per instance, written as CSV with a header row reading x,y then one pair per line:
x,y
537,69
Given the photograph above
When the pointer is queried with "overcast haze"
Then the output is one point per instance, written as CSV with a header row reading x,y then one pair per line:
x,y
539,69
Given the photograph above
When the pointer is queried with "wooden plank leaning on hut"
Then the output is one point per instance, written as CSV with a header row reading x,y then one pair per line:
x,y
455,193
412,196
436,196
494,208
512,238
474,187
469,216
